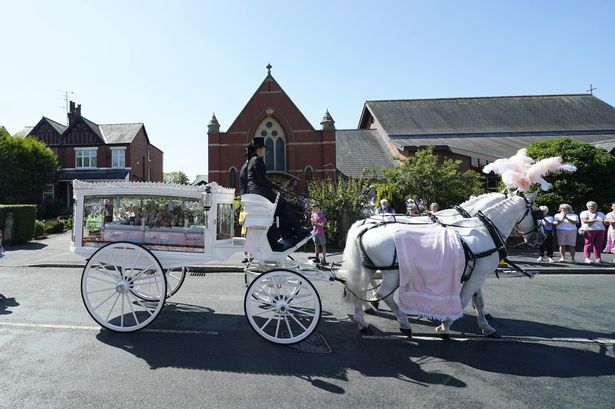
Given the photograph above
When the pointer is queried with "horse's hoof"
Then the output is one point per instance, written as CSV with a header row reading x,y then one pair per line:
x,y
365,331
494,335
406,331
489,316
370,311
445,336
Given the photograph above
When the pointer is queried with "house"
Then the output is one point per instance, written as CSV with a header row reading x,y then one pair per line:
x,y
97,152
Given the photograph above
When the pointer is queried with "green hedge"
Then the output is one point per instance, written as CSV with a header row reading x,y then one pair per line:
x,y
23,221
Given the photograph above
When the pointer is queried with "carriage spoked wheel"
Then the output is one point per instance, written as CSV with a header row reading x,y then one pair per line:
x,y
282,306
107,284
175,278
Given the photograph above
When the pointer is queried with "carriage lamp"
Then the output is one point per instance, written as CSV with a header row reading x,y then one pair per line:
x,y
207,202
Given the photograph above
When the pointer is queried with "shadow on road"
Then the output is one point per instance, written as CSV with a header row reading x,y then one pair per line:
x,y
6,303
237,349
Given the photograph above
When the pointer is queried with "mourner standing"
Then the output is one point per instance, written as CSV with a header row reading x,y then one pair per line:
x,y
566,228
593,231
547,227
318,232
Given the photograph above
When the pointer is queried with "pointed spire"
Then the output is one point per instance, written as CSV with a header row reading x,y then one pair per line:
x,y
268,69
213,126
327,121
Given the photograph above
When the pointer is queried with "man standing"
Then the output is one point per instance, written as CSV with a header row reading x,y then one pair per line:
x,y
385,208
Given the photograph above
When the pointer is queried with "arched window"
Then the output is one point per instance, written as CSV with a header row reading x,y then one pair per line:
x,y
309,174
275,144
232,177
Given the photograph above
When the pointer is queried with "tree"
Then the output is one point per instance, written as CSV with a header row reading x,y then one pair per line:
x,y
177,177
592,180
28,167
427,178
341,201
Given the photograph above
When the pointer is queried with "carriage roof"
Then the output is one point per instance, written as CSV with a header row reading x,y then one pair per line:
x,y
147,188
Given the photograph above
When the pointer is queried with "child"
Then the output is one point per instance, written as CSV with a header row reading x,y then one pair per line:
x,y
318,222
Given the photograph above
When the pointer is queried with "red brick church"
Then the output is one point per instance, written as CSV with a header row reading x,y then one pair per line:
x,y
294,149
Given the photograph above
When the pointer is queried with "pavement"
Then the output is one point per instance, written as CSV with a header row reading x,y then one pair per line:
x,y
54,251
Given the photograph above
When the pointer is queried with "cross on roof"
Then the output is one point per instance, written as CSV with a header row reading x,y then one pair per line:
x,y
268,69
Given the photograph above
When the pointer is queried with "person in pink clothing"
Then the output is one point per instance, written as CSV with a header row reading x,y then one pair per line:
x,y
593,231
318,231
609,220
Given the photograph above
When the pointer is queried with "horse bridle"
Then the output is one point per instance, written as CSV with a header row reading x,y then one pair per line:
x,y
536,215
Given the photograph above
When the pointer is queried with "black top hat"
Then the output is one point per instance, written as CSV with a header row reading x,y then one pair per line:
x,y
258,142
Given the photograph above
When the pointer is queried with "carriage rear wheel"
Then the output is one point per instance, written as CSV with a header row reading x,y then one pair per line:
x,y
107,284
175,278
282,306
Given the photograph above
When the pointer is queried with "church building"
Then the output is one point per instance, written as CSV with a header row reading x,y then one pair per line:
x,y
294,149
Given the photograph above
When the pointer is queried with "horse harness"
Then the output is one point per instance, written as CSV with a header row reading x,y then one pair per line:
x,y
470,256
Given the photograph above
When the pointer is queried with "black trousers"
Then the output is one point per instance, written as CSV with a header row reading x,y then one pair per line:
x,y
547,245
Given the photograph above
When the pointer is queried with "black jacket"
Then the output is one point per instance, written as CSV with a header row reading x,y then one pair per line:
x,y
257,179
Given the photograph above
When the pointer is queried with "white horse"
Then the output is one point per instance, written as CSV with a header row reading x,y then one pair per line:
x,y
378,244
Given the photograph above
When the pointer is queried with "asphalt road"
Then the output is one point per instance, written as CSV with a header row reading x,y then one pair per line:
x,y
557,351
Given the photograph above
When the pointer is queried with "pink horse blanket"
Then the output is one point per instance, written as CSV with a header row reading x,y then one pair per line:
x,y
431,262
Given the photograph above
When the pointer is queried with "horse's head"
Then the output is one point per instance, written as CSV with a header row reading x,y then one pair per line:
x,y
529,224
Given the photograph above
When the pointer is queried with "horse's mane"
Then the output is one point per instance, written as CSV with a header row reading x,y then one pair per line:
x,y
475,199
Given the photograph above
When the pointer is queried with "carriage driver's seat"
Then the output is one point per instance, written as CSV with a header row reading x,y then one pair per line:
x,y
259,218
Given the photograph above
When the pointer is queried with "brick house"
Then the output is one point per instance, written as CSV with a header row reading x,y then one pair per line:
x,y
295,150
97,152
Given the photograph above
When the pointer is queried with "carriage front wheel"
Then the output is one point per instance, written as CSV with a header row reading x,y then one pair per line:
x,y
108,282
282,306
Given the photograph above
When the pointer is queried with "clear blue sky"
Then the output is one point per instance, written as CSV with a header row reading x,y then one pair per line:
x,y
171,65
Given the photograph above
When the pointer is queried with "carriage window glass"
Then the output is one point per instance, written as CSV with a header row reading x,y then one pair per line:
x,y
226,221
156,222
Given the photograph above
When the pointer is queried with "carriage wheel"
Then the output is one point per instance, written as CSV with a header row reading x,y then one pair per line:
x,y
107,284
175,278
282,306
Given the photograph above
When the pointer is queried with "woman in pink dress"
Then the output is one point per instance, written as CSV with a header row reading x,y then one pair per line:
x,y
609,220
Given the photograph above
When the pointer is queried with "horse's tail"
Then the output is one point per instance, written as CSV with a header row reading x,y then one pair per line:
x,y
352,269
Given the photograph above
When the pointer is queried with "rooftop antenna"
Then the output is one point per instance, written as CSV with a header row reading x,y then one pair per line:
x,y
591,89
65,97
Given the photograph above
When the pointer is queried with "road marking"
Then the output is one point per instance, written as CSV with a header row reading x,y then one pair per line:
x,y
27,325
466,338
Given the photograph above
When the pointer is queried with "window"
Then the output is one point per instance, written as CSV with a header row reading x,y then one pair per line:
x,y
48,192
474,162
118,157
275,144
232,177
85,157
309,174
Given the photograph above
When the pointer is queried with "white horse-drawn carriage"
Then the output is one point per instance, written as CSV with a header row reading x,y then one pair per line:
x,y
139,239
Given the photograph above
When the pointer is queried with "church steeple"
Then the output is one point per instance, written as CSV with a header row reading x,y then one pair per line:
x,y
327,122
213,126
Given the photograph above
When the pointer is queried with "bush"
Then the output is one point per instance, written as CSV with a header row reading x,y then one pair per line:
x,y
54,226
39,229
24,217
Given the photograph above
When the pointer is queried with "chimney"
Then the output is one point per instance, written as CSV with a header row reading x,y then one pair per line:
x,y
74,112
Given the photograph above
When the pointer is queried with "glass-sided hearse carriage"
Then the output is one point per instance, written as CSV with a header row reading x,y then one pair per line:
x,y
139,239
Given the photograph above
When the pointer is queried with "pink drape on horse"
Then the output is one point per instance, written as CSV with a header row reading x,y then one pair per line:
x,y
431,262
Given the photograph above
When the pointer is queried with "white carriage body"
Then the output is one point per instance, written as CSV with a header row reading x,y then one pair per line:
x,y
169,219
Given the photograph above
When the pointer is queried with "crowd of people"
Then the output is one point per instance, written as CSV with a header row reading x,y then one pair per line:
x,y
563,227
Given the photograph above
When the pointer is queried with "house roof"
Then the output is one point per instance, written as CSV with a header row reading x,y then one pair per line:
x,y
24,132
359,149
609,145
537,113
93,174
56,125
200,180
119,133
